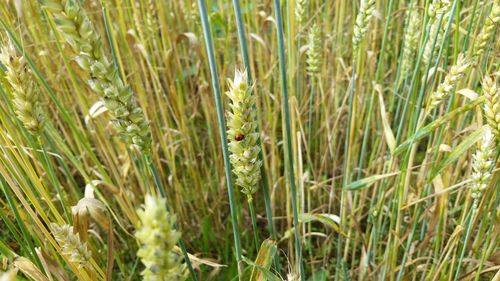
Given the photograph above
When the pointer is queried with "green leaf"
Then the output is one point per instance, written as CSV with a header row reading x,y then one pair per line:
x,y
319,276
367,181
458,151
423,132
330,220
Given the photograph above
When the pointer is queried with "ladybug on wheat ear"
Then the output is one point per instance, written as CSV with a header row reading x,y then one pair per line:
x,y
239,137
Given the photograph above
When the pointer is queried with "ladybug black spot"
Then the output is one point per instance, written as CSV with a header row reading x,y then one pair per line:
x,y
239,137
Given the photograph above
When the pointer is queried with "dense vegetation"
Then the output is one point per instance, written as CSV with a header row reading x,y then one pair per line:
x,y
249,140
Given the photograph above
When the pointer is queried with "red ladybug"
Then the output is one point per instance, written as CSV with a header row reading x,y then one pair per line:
x,y
239,137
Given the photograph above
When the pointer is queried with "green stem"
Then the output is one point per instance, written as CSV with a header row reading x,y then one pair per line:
x,y
53,180
28,242
254,221
378,75
464,248
346,177
222,130
246,62
309,118
288,137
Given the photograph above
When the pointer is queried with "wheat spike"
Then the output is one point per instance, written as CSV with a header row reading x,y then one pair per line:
x,y
486,31
242,134
157,238
437,9
482,161
362,20
451,80
491,108
26,95
72,247
410,40
77,29
314,51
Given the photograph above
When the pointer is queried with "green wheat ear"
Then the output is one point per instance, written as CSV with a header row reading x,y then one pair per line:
x,y
410,41
451,80
314,51
127,117
75,250
242,134
157,238
482,162
300,12
491,107
487,31
362,20
437,9
26,95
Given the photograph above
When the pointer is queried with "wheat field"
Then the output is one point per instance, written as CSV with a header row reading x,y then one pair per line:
x,y
292,140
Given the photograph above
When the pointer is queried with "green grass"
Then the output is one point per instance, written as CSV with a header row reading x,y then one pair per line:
x,y
355,183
